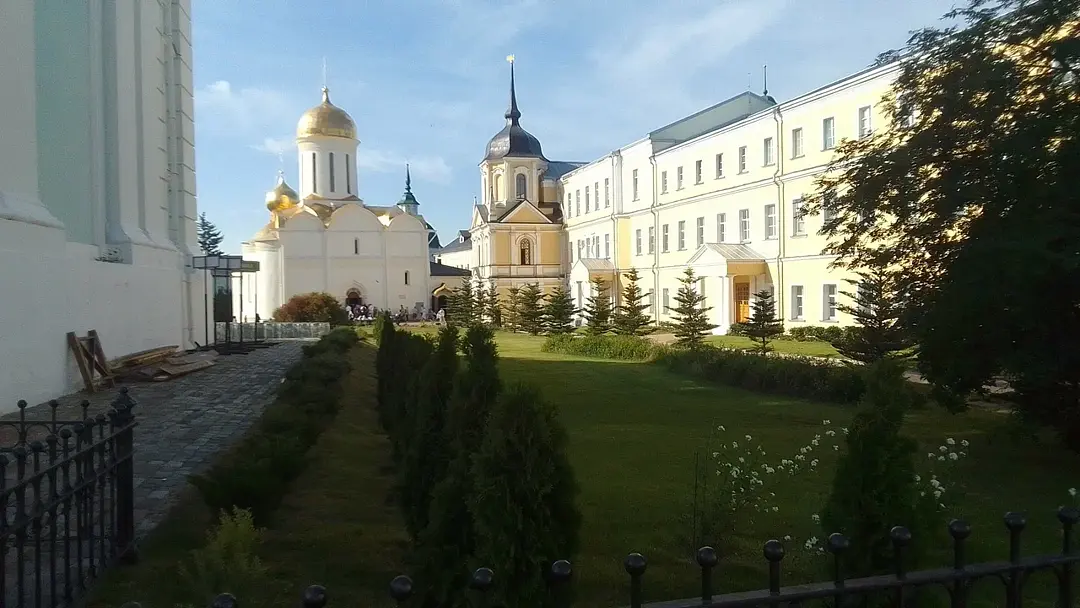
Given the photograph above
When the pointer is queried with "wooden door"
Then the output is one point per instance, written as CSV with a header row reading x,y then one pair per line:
x,y
742,302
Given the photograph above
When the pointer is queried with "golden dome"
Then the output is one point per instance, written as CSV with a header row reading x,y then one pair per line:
x,y
327,120
282,197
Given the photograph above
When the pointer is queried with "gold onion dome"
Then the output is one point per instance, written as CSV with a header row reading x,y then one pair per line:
x,y
326,120
282,197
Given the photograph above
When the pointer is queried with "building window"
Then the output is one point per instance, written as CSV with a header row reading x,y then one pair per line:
x,y
742,159
586,199
719,166
798,224
607,246
348,176
652,239
828,305
663,182
864,121
828,133
744,225
356,246
580,248
796,302
828,207
577,202
406,277
521,184
525,252
663,238
633,184
770,221
571,253
700,231
667,301
682,235
769,151
568,204
607,192
314,173
796,143
596,191
721,227
697,171
333,180
678,178
905,117
637,241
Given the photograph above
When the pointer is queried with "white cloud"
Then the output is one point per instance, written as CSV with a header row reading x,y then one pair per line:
x,y
481,31
276,146
429,168
245,109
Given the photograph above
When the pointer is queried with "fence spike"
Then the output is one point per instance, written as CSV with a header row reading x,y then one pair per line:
x,y
836,545
635,565
1015,523
707,560
482,579
901,538
561,571
774,552
401,588
959,530
314,597
225,600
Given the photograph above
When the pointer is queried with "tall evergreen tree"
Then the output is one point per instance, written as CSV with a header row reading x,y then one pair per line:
x,y
559,311
494,307
630,317
480,302
691,315
209,236
530,312
878,333
461,303
763,326
512,319
598,308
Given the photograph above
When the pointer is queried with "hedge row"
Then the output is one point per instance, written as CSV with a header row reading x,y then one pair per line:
x,y
627,348
809,333
256,473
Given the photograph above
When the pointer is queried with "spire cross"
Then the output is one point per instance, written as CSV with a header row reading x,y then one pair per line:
x,y
324,72
512,113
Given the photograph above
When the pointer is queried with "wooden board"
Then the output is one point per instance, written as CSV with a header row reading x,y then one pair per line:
x,y
144,357
90,357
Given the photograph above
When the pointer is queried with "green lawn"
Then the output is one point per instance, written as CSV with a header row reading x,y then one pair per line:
x,y
788,347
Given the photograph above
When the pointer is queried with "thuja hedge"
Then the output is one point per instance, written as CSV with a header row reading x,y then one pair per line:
x,y
256,473
627,348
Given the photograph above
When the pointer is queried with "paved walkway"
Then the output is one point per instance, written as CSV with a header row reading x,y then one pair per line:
x,y
184,423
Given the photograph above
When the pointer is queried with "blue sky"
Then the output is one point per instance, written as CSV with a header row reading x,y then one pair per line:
x,y
427,80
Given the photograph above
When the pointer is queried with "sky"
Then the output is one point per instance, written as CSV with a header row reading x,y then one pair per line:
x,y
427,81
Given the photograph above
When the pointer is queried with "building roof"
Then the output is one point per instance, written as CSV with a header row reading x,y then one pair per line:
x,y
559,168
326,120
462,243
735,252
442,270
513,141
710,119
597,263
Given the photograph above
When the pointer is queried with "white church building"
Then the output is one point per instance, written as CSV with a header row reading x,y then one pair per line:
x,y
97,187
321,237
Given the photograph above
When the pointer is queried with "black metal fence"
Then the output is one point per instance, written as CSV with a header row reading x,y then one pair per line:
x,y
66,503
896,588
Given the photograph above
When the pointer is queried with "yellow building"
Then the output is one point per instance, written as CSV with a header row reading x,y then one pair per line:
x,y
720,191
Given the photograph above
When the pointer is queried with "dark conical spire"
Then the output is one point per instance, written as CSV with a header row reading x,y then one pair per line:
x,y
512,113
408,180
408,201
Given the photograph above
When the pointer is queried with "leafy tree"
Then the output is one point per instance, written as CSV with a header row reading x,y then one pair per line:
x,y
763,326
513,305
523,500
878,333
480,302
461,303
494,307
559,311
971,212
630,317
530,310
209,236
691,314
315,307
598,308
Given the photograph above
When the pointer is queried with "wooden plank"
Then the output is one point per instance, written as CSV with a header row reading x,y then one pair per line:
x,y
144,357
79,352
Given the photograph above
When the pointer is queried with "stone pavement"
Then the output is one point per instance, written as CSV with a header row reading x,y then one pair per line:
x,y
184,423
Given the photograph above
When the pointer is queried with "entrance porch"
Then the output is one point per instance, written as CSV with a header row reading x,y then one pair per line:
x,y
735,273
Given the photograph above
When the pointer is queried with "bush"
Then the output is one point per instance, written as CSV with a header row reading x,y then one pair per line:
x,y
256,473
228,561
315,307
802,377
626,348
816,333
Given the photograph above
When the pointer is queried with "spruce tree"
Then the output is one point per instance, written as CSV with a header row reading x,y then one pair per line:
x,y
512,319
559,312
878,333
691,314
480,303
530,312
763,326
494,307
461,303
209,236
523,501
630,317
598,308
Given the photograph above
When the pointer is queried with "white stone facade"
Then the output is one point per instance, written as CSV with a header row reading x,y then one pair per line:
x,y
97,186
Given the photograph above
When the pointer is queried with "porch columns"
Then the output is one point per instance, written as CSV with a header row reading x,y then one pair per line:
x,y
726,296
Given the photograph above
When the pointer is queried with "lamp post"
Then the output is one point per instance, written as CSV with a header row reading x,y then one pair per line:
x,y
207,263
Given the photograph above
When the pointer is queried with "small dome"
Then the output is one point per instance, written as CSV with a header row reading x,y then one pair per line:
x,y
513,141
326,120
282,197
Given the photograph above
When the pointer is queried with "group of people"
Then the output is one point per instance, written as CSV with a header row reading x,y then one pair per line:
x,y
362,313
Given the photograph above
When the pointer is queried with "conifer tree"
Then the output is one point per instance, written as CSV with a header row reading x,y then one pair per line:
x,y
598,308
530,312
209,236
878,333
461,303
763,326
691,314
494,307
523,503
559,311
630,317
512,319
480,303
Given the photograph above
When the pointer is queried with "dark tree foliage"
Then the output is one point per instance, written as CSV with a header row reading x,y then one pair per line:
x,y
386,365
691,315
523,503
480,303
209,236
598,308
878,333
494,307
971,203
558,316
763,326
630,318
462,304
512,320
530,311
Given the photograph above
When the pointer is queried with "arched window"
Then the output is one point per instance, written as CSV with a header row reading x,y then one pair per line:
x,y
525,251
520,184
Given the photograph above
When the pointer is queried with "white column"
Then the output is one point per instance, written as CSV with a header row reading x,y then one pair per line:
x,y
726,302
19,197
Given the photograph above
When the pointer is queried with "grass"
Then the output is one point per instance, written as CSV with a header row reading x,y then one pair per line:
x,y
634,433
812,348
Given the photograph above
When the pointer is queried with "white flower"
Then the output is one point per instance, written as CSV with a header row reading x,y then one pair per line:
x,y
816,518
941,458
748,438
770,470
937,494
950,441
953,456
1072,492
787,537
741,459
814,442
810,542
826,422
943,449
734,444
814,462
941,504
830,432
716,454
775,509
721,428
844,429
836,448
917,478
964,442
930,455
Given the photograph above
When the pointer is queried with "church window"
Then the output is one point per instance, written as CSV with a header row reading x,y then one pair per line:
x,y
586,199
520,183
333,187
525,251
314,173
577,202
348,176
356,246
406,277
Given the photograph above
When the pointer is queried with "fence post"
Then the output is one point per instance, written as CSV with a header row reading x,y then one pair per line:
x,y
124,443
